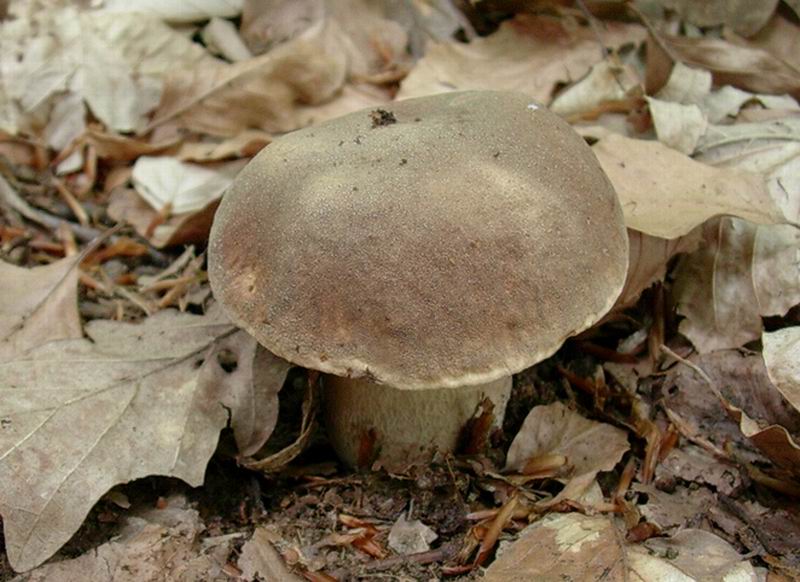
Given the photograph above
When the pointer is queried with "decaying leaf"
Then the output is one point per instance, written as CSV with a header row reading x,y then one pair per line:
x,y
177,10
579,547
743,272
588,446
185,187
244,145
161,231
37,306
667,194
606,81
259,560
410,536
224,99
744,16
114,61
782,358
648,257
531,55
154,545
81,416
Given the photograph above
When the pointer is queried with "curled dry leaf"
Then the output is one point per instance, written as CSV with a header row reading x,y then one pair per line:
x,y
743,16
782,358
259,560
749,68
115,147
81,416
153,545
244,145
780,37
667,194
589,446
183,187
224,99
579,547
532,55
648,257
37,306
743,272
178,11
160,231
606,81
114,61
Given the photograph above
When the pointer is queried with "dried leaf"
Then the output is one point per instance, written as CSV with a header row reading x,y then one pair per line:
x,y
743,272
259,560
780,37
115,147
554,429
532,55
154,545
81,416
667,194
193,227
410,536
221,38
782,358
579,547
163,181
179,11
677,126
114,61
261,93
743,16
648,257
245,145
37,306
605,82
748,68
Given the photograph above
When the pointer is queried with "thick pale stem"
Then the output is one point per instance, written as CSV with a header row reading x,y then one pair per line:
x,y
366,420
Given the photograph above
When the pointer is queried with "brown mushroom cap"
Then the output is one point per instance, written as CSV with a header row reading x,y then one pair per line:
x,y
443,241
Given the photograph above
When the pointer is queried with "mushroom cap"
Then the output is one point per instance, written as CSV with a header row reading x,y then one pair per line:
x,y
440,241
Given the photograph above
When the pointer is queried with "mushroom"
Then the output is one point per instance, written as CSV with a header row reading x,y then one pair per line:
x,y
419,255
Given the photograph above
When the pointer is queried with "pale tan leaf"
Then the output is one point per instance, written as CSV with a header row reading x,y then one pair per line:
x,y
114,61
260,559
185,187
667,194
677,126
37,306
580,547
742,273
648,257
780,37
753,69
221,38
81,416
744,16
605,82
686,85
771,148
193,227
782,358
244,145
178,11
530,55
260,93
112,146
554,429
153,545
728,101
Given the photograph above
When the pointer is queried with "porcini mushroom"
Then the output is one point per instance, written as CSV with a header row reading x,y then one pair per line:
x,y
419,255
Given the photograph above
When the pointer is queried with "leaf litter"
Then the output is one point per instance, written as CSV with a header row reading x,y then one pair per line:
x,y
662,443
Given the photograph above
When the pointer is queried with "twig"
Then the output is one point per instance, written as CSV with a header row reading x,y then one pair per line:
x,y
13,200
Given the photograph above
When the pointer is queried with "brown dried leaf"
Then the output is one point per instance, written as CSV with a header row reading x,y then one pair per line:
x,y
667,194
81,416
554,429
579,547
532,55
259,558
261,93
193,227
112,146
37,306
743,16
752,69
154,545
743,272
647,261
781,38
782,358
245,145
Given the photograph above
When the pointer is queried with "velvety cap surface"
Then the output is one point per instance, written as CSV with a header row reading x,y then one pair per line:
x,y
439,241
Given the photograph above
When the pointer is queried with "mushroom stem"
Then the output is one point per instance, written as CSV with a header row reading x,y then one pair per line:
x,y
367,421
